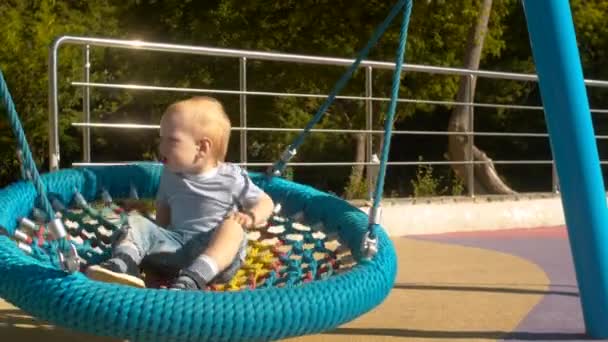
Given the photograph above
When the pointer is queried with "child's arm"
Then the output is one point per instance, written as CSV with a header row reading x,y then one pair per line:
x,y
163,214
257,214
255,206
262,210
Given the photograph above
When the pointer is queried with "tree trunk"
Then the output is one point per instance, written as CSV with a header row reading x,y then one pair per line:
x,y
356,181
355,187
486,178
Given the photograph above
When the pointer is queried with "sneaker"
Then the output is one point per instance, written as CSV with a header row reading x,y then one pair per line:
x,y
117,270
184,282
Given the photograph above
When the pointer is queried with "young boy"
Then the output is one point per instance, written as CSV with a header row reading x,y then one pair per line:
x,y
205,204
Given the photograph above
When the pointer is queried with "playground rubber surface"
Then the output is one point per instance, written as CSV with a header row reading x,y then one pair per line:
x,y
510,285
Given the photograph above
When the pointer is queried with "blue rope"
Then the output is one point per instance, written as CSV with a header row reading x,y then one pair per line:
x,y
280,165
24,174
26,156
388,123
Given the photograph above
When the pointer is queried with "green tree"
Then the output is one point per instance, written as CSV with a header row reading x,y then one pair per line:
x,y
436,36
29,27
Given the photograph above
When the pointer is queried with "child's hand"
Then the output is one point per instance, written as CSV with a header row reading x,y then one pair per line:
x,y
247,220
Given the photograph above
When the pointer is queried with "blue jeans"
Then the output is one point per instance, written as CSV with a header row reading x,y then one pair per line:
x,y
169,251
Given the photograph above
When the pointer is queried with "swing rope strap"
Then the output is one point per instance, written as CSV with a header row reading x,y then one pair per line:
x,y
277,168
68,257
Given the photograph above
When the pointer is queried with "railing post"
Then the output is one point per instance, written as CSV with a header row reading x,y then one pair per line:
x,y
369,125
554,178
53,108
471,136
86,106
242,55
243,108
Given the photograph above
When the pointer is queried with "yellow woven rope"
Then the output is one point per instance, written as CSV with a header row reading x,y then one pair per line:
x,y
259,262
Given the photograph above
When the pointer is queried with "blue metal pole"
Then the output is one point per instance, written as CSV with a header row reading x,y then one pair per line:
x,y
575,151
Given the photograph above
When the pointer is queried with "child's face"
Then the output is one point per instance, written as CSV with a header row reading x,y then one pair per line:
x,y
179,149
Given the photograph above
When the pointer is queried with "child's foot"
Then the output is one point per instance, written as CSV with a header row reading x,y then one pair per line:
x,y
117,270
184,282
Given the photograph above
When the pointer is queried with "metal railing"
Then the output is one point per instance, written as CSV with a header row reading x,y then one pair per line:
x,y
243,92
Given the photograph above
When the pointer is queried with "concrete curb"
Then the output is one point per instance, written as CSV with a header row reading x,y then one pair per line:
x,y
402,217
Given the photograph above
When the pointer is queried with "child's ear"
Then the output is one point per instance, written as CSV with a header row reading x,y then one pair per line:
x,y
204,146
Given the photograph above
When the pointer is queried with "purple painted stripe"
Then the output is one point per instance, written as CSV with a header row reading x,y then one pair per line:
x,y
558,316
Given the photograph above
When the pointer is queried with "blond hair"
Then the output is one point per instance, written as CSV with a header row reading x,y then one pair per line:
x,y
212,122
